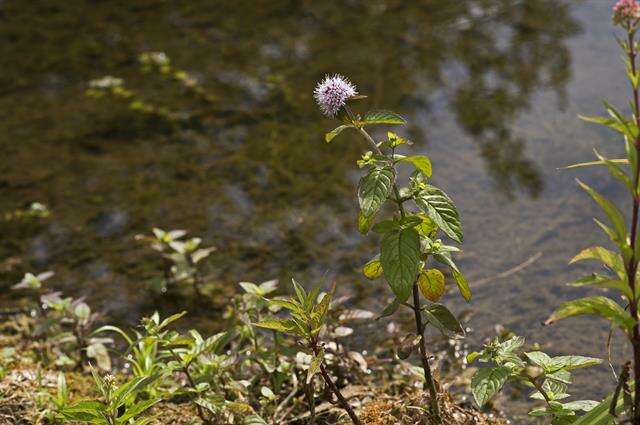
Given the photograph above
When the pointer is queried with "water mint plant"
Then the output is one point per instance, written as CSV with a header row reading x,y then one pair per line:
x,y
547,376
410,229
621,266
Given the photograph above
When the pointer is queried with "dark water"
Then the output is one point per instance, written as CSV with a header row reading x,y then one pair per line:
x,y
491,89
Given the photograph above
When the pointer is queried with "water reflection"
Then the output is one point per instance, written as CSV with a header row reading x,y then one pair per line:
x,y
249,170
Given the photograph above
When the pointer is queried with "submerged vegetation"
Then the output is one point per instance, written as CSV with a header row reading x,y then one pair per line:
x,y
303,353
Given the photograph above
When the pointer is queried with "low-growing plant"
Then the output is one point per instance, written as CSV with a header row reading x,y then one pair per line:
x,y
308,313
410,233
192,367
118,404
622,266
61,325
181,258
548,376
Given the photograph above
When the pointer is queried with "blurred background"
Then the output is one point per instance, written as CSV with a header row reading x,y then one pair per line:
x,y
219,135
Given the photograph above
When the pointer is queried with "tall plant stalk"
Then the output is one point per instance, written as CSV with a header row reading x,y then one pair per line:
x,y
409,237
623,263
632,265
429,383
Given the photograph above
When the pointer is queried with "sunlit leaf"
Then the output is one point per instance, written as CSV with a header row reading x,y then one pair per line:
x,y
382,117
439,207
374,189
333,133
487,382
421,162
599,306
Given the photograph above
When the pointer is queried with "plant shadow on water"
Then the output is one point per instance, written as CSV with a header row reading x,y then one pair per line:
x,y
245,169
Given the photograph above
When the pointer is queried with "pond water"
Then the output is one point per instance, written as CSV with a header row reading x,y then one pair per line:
x,y
491,90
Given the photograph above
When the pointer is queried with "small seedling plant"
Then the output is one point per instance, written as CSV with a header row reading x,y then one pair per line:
x,y
621,266
548,376
182,259
410,228
61,326
119,404
308,312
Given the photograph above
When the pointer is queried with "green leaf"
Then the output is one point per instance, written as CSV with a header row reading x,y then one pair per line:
x,y
603,282
584,405
599,306
421,162
373,269
431,284
599,415
487,382
573,362
621,161
400,257
463,285
616,171
439,207
382,117
374,189
389,309
440,317
386,226
605,256
612,212
539,358
280,325
333,133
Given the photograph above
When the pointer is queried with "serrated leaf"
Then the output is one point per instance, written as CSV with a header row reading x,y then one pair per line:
x,y
439,207
583,405
374,189
432,284
487,382
573,362
599,306
400,257
373,269
382,117
333,133
421,162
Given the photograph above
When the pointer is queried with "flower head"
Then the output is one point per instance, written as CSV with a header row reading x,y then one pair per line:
x,y
332,93
626,11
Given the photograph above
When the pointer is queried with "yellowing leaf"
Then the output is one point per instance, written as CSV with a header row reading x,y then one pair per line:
x,y
431,284
373,269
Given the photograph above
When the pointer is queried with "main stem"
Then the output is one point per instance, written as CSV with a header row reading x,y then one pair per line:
x,y
192,383
428,376
334,389
632,267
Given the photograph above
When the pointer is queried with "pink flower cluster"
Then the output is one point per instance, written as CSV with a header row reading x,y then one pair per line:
x,y
332,93
626,11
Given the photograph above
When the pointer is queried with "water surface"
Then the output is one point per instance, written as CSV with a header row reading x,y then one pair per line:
x,y
491,90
